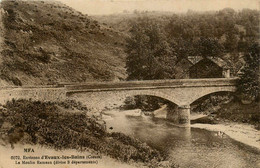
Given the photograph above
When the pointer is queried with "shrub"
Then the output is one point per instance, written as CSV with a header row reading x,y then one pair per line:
x,y
248,83
46,124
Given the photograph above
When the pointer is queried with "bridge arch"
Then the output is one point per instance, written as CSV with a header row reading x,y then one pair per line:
x,y
211,91
100,100
156,93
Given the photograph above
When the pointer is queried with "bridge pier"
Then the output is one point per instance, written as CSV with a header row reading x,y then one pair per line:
x,y
184,115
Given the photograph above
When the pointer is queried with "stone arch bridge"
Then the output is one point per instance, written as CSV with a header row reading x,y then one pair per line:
x,y
182,92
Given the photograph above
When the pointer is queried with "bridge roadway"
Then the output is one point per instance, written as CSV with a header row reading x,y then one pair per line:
x,y
181,92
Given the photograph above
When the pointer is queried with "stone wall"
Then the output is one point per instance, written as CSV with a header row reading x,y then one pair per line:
x,y
43,94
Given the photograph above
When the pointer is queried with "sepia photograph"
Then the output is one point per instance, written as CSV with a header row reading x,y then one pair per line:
x,y
129,84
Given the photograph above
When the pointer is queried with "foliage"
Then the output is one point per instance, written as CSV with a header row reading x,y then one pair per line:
x,y
149,54
208,47
249,79
145,103
234,111
209,103
217,33
45,123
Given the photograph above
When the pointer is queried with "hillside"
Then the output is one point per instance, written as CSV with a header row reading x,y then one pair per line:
x,y
46,42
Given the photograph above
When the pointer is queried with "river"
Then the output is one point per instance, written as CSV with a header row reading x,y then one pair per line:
x,y
188,147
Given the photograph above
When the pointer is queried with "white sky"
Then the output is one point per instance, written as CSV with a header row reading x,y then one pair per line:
x,y
99,7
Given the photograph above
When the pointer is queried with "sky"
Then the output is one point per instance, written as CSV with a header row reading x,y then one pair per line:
x,y
103,7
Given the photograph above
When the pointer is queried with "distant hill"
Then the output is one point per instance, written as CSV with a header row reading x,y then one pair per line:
x,y
46,42
124,21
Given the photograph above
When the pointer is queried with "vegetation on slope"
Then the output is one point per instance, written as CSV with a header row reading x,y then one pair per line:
x,y
227,107
238,112
67,125
46,42
225,33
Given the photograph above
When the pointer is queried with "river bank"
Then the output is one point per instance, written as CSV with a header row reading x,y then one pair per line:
x,y
244,133
67,126
198,148
237,120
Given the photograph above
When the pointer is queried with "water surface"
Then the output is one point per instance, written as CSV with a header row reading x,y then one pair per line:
x,y
188,147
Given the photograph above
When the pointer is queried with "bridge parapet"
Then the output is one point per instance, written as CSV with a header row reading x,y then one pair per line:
x,y
34,93
152,84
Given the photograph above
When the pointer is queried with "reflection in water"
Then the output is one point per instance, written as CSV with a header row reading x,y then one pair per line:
x,y
189,147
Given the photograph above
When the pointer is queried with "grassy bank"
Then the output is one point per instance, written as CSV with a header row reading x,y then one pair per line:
x,y
67,125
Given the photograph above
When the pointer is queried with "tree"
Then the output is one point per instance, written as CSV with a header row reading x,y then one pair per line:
x,y
248,83
149,55
209,47
231,42
183,48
